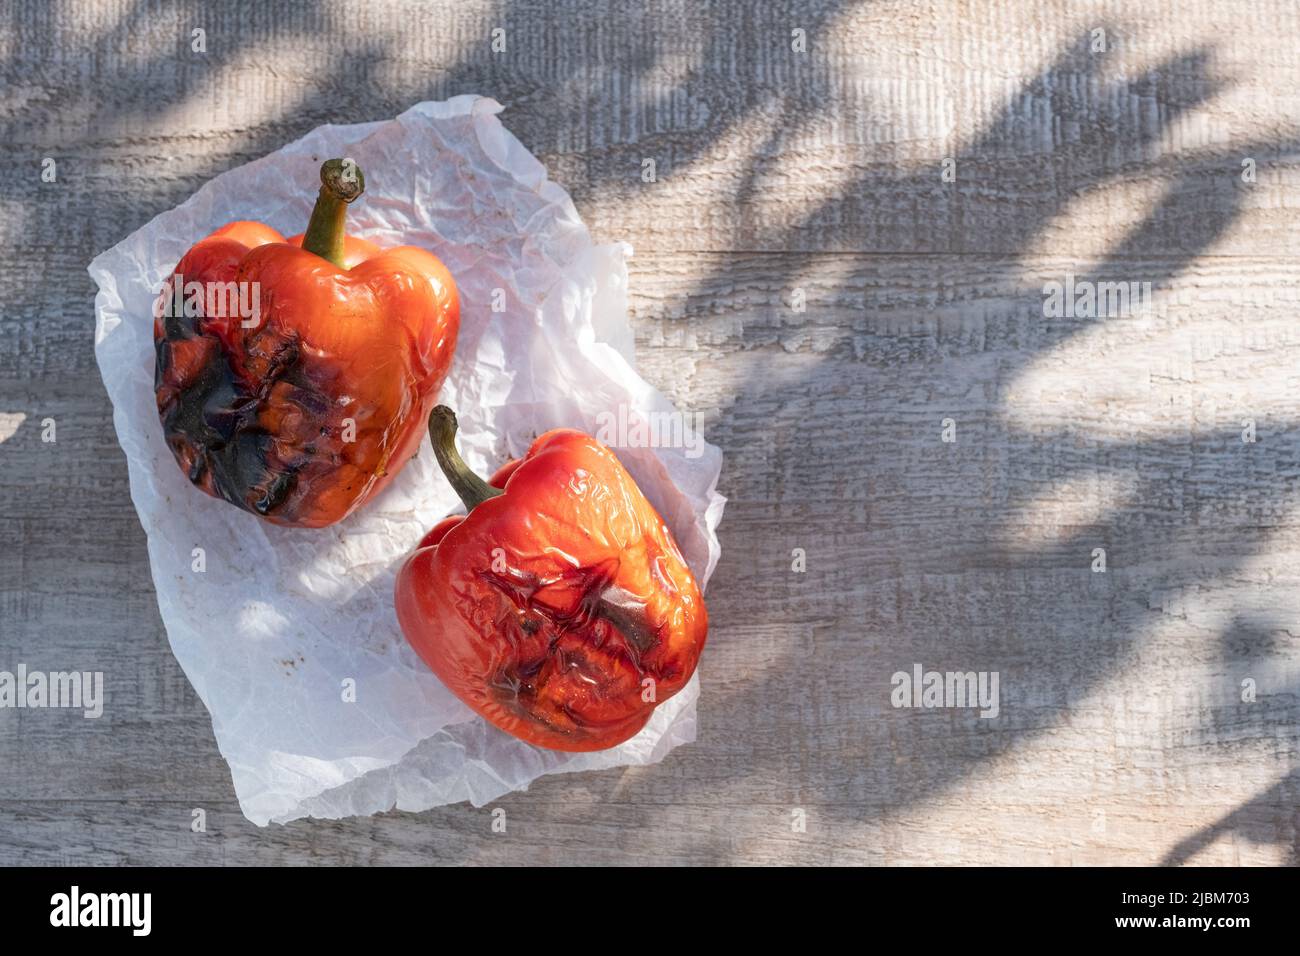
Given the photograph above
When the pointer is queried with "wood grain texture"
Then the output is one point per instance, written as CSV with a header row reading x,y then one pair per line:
x,y
783,177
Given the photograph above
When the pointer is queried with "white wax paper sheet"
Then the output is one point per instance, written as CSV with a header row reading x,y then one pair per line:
x,y
280,618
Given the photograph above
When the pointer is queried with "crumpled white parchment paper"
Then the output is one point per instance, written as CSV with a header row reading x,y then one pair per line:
x,y
281,617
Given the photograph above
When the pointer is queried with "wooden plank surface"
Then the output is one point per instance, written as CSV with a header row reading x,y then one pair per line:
x,y
1122,735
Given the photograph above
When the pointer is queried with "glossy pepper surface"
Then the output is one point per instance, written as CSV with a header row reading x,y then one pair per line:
x,y
559,607
307,409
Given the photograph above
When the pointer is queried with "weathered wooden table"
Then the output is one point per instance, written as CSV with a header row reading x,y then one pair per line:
x,y
858,208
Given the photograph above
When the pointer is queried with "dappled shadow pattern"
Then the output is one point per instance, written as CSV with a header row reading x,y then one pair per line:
x,y
1056,652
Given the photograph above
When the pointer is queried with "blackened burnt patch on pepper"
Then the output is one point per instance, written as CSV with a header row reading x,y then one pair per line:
x,y
627,615
599,600
211,417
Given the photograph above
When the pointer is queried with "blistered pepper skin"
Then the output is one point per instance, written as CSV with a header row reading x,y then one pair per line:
x,y
561,610
313,410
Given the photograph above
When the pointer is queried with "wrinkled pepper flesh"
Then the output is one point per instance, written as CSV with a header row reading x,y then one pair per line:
x,y
558,607
304,407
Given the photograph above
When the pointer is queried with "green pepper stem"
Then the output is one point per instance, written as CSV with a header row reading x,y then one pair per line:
x,y
472,489
341,183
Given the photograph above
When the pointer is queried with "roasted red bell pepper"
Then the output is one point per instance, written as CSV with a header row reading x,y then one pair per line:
x,y
306,397
559,607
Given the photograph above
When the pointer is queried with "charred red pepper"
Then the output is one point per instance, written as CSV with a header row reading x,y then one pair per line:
x,y
303,399
559,607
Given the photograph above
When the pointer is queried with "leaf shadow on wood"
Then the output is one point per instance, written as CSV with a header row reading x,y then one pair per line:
x,y
1257,649
1054,663
1058,634
1272,818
